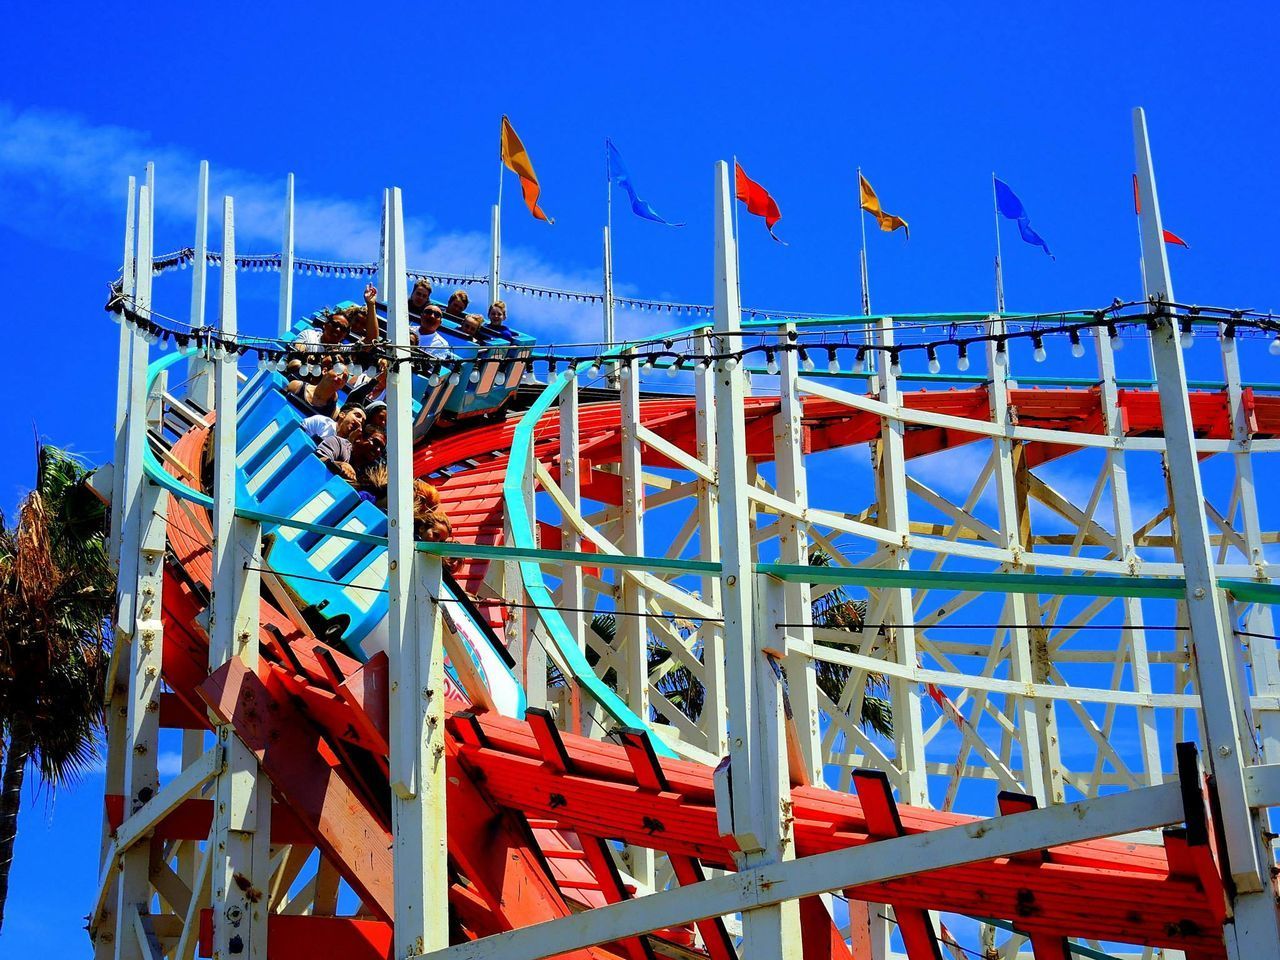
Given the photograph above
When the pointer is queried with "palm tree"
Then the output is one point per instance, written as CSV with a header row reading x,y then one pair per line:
x,y
834,609
56,595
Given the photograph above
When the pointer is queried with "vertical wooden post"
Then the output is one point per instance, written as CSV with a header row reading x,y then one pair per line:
x,y
285,319
1256,930
714,719
758,793
1041,775
139,628
416,663
572,592
793,547
200,369
633,625
891,478
241,834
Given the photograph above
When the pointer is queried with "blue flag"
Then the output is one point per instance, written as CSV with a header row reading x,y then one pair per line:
x,y
618,174
1009,205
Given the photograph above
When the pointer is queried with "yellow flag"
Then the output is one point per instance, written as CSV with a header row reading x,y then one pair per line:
x,y
516,157
871,203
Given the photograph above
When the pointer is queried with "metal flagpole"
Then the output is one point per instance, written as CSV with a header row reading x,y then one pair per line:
x,y
999,269
495,236
608,250
862,254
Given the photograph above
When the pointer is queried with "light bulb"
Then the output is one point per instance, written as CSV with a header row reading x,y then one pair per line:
x,y
1274,349
594,372
1000,355
1116,342
339,369
624,372
1040,354
164,343
1188,337
673,368
934,365
474,376
860,362
806,363
895,367
962,362
434,379
499,379
833,364
455,378
730,363
1077,348
772,366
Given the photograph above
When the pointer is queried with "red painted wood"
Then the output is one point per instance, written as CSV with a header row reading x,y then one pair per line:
x,y
306,938
286,744
818,932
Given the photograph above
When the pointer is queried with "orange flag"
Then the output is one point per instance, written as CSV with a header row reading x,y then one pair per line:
x,y
516,158
871,203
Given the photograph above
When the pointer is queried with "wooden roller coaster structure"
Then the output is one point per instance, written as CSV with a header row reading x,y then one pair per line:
x,y
699,782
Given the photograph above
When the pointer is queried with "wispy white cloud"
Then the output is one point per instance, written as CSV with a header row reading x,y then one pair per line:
x,y
62,179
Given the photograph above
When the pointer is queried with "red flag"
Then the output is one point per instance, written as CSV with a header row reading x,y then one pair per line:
x,y
757,199
1169,235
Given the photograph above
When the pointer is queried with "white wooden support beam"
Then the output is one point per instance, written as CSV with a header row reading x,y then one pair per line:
x,y
714,719
285,319
757,772
115,695
1135,636
200,369
632,623
1260,621
495,254
572,584
1041,776
756,888
416,666
793,547
1256,932
891,483
127,290
143,820
139,627
241,831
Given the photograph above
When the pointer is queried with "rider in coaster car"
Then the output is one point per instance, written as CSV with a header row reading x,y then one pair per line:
x,y
429,336
420,298
339,324
321,397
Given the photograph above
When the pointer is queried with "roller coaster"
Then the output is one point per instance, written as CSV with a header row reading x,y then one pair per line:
x,y
629,708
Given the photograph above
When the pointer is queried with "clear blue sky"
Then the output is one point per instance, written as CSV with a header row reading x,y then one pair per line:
x,y
929,98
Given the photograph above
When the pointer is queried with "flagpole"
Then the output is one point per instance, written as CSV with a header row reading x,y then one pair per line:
x,y
495,232
995,200
608,251
862,254
737,263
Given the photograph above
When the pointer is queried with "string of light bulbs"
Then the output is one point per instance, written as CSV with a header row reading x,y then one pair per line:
x,y
365,358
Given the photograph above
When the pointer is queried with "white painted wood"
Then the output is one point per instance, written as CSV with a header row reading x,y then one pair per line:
x,y
139,627
714,719
632,624
572,589
1035,723
190,779
240,872
891,483
200,369
758,782
1216,663
285,319
495,250
416,649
